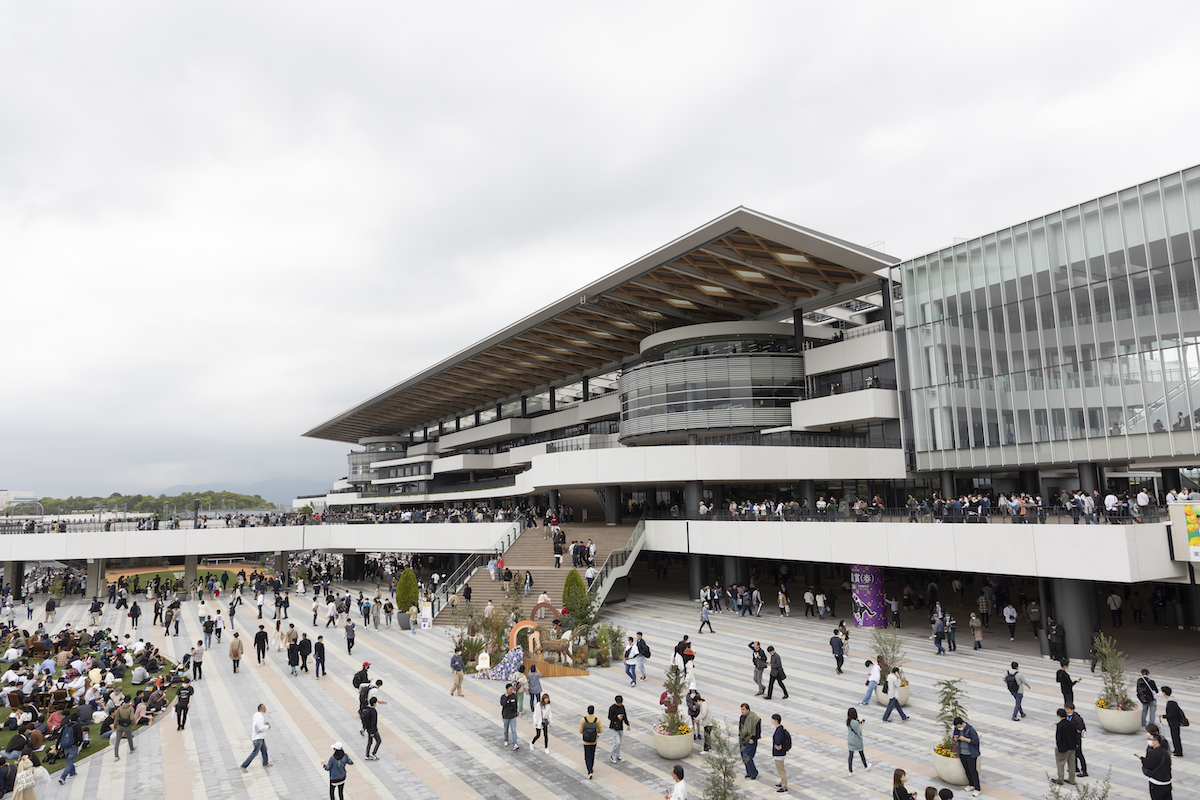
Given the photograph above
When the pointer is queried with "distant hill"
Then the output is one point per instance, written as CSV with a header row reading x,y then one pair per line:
x,y
148,503
278,490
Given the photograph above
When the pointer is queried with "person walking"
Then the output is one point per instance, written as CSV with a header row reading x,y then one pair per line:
x,y
781,743
183,701
854,739
260,643
1054,637
749,732
236,648
1175,718
893,692
643,649
336,767
590,729
413,622
69,741
704,618
1015,680
939,634
534,686
758,659
873,676
198,661
508,713
458,669
1076,719
837,645
977,630
631,657
1147,692
258,735
1065,683
776,674
349,635
967,741
679,790
316,606
123,719
293,656
319,657
1010,619
541,722
1065,737
370,721
617,723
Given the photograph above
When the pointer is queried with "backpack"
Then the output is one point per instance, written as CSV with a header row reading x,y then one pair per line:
x,y
1010,680
363,713
124,716
360,677
1144,695
590,731
787,740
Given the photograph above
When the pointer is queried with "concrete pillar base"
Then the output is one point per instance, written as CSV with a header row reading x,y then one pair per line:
x,y
1087,476
97,586
696,575
948,489
1075,612
281,567
612,505
807,497
693,493
731,570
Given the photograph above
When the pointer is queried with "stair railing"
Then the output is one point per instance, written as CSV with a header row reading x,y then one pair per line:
x,y
477,560
617,564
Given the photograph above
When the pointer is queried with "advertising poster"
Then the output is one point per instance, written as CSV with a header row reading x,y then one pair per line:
x,y
866,596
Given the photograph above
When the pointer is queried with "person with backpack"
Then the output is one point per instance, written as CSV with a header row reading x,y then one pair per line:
x,y
1017,684
183,700
1146,695
1175,719
122,728
643,650
590,729
781,743
370,722
69,740
854,739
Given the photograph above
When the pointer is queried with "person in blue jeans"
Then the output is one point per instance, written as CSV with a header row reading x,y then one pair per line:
x,y
893,693
631,661
967,741
508,713
1018,683
72,733
749,732
258,733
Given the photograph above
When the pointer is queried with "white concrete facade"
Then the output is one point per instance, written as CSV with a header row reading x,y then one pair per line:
x,y
867,405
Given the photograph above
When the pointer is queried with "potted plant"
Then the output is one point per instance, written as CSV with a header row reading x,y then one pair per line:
x,y
406,596
949,769
602,649
888,645
1115,710
672,735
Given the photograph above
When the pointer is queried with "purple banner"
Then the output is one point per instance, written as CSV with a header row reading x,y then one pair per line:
x,y
866,596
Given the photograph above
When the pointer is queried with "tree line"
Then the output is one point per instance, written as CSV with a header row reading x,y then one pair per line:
x,y
148,503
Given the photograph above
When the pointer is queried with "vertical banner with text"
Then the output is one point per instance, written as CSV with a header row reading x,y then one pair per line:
x,y
866,596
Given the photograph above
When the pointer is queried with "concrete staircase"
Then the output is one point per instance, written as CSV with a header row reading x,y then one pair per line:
x,y
534,551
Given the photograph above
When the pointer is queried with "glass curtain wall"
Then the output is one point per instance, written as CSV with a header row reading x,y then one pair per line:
x,y
1071,337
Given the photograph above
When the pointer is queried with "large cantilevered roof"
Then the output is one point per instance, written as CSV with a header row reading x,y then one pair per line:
x,y
741,266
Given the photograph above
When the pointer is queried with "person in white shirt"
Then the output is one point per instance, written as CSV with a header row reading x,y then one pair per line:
x,y
258,734
679,790
1010,618
1171,498
10,677
872,681
1143,499
590,575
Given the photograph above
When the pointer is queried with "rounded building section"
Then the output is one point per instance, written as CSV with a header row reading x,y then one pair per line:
x,y
722,377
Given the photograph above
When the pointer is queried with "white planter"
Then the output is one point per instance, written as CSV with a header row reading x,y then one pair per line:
x,y
1115,721
882,699
673,747
950,770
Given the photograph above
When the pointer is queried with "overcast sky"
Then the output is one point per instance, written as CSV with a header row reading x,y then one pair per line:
x,y
224,223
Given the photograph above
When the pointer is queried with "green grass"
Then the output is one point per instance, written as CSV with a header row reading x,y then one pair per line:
x,y
98,744
168,576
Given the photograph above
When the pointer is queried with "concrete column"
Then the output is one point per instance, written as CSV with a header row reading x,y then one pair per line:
x,y
808,491
455,561
1191,603
885,291
1075,612
354,566
947,490
612,505
1044,604
696,575
693,439
554,498
731,566
798,328
97,586
811,575
1170,480
1031,481
189,570
281,567
14,576
693,493
718,490
1087,476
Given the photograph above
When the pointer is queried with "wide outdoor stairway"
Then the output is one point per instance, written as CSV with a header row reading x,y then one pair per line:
x,y
534,551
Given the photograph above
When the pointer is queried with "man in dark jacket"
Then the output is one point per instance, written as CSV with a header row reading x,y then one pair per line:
x,y
260,643
759,659
1156,766
508,713
1174,716
835,644
1065,739
305,647
777,674
370,721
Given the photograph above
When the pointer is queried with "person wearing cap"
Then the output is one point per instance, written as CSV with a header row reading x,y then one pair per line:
x,y
336,767
236,648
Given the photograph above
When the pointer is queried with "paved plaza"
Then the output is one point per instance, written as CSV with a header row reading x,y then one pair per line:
x,y
438,746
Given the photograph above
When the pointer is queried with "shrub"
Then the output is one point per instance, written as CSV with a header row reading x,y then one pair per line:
x,y
674,722
574,594
406,591
951,695
889,650
1097,790
1114,691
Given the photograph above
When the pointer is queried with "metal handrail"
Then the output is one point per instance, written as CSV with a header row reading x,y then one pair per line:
x,y
617,558
458,579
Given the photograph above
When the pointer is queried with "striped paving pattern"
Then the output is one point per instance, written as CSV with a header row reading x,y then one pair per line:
x,y
435,746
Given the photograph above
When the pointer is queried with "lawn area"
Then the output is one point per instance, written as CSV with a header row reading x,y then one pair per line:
x,y
98,744
168,575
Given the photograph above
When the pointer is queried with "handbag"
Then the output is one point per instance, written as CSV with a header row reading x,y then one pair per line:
x,y
25,780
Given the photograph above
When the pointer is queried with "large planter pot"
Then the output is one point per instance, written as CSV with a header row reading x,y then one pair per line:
x,y
882,699
949,770
591,661
673,747
1115,721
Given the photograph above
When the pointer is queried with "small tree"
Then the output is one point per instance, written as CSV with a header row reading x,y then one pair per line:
x,y
1114,692
724,764
889,649
673,722
951,696
57,588
574,594
406,591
